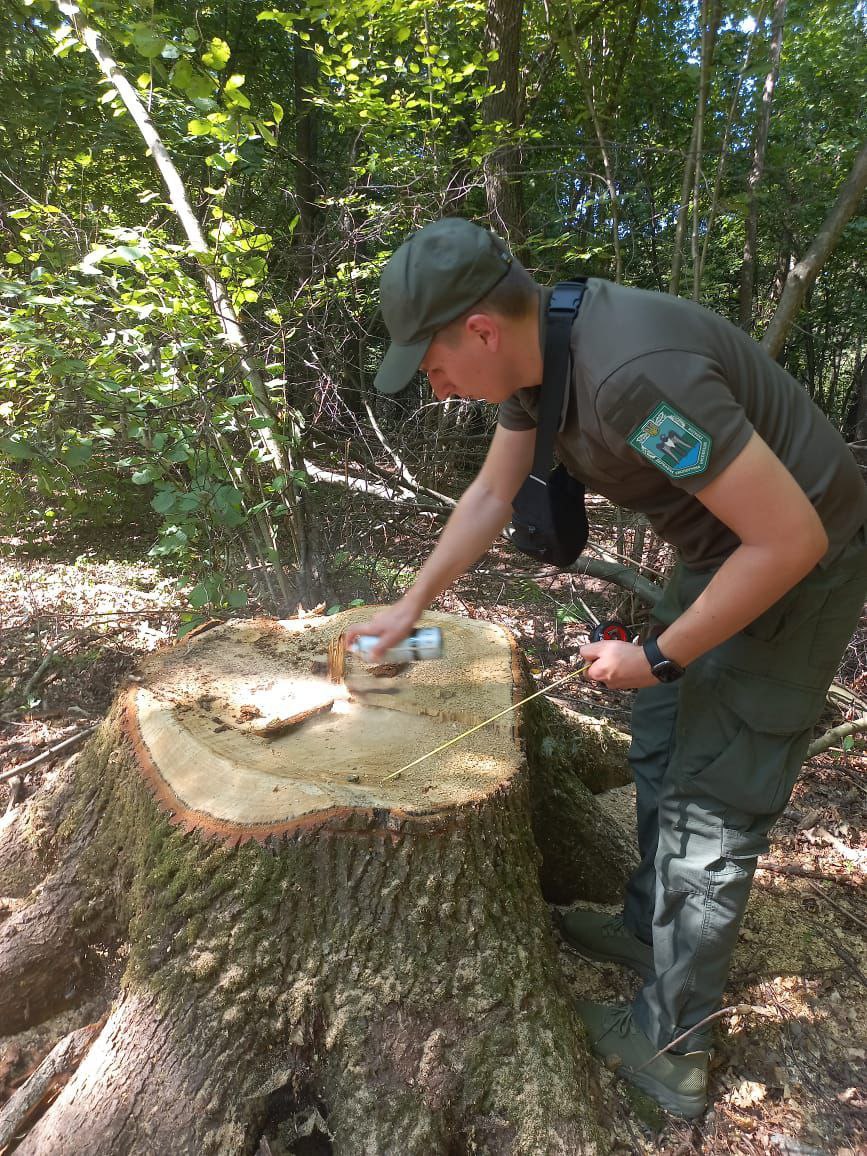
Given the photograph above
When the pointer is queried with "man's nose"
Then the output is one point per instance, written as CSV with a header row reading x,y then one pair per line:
x,y
441,387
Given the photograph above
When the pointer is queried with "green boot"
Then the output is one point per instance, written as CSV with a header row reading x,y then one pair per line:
x,y
605,937
677,1082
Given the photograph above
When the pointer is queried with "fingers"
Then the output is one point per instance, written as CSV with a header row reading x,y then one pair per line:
x,y
390,627
386,640
381,624
355,631
370,629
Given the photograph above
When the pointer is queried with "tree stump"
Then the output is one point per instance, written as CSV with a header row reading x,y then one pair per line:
x,y
302,932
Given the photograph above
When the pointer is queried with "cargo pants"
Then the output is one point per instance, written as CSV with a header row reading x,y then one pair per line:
x,y
715,757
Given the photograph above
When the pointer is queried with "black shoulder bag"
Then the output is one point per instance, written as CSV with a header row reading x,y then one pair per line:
x,y
548,517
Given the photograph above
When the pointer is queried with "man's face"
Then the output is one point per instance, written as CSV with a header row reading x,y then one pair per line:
x,y
468,362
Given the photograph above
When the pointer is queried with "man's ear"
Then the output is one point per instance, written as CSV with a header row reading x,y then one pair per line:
x,y
486,328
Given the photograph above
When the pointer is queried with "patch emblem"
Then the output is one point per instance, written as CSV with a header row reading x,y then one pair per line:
x,y
671,441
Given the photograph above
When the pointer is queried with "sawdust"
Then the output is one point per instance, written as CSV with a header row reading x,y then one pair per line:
x,y
241,728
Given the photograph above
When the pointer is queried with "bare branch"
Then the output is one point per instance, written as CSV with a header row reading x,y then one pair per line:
x,y
47,754
830,738
57,1066
804,273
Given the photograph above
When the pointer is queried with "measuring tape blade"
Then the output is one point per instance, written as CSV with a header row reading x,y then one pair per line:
x,y
493,718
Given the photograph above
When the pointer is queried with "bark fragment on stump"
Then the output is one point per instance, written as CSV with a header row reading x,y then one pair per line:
x,y
298,930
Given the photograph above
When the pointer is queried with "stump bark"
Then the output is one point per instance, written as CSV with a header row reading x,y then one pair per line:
x,y
302,932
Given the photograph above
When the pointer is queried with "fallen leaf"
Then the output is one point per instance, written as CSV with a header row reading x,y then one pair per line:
x,y
747,1093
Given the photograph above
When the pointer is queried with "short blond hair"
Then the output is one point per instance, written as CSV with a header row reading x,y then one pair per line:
x,y
513,297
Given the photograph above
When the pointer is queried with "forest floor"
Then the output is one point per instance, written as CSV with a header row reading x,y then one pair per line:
x,y
789,1074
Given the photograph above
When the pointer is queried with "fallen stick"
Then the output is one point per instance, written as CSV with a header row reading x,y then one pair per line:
x,y
55,1069
841,952
46,754
742,1009
34,678
839,907
80,634
853,854
853,777
829,738
110,613
805,873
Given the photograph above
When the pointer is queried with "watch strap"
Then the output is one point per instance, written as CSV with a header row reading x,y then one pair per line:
x,y
670,670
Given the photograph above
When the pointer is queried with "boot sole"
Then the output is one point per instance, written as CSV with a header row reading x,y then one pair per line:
x,y
690,1107
644,970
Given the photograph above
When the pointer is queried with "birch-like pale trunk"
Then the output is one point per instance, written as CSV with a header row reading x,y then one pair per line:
x,y
802,275
748,266
710,18
224,310
683,211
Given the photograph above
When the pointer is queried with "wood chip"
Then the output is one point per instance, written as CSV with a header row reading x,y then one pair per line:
x,y
337,658
279,726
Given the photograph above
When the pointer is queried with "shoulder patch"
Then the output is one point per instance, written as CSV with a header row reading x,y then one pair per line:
x,y
672,442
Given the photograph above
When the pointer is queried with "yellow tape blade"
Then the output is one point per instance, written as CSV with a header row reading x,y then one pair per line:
x,y
478,726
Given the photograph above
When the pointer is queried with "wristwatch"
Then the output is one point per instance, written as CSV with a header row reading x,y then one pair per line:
x,y
662,668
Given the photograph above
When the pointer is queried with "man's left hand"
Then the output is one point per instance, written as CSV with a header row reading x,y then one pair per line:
x,y
617,665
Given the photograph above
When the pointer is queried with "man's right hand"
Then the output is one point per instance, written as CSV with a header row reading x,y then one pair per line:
x,y
478,518
391,625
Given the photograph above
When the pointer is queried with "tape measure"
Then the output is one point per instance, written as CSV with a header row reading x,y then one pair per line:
x,y
572,674
611,631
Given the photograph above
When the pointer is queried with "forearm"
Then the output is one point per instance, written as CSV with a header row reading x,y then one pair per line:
x,y
748,582
782,539
475,522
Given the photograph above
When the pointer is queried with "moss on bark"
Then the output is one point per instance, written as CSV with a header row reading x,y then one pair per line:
x,y
586,854
403,973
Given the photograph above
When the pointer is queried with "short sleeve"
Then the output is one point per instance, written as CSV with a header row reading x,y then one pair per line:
x,y
675,411
512,415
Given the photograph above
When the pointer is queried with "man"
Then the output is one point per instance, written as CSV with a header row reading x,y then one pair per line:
x,y
673,412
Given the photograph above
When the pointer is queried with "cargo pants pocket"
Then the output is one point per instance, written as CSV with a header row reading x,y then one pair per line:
x,y
742,738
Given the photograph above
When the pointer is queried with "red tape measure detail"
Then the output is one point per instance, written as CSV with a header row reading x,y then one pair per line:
x,y
611,631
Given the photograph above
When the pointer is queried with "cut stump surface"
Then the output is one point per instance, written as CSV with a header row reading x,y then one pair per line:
x,y
237,730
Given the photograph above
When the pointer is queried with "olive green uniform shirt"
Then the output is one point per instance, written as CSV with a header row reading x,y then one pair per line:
x,y
663,395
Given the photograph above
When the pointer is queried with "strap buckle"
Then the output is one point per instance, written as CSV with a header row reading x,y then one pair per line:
x,y
566,296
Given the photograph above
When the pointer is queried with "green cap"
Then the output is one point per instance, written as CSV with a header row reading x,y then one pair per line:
x,y
434,277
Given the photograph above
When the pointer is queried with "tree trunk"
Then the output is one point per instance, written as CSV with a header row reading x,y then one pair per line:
x,y
856,409
306,931
724,149
683,209
709,17
503,109
570,44
748,266
711,14
306,75
804,273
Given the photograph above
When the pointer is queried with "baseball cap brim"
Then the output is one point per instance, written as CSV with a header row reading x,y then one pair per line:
x,y
399,365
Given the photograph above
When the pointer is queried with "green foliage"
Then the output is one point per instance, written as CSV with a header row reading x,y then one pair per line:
x,y
310,140
570,615
113,386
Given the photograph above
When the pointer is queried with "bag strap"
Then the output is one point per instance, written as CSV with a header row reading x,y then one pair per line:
x,y
561,313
